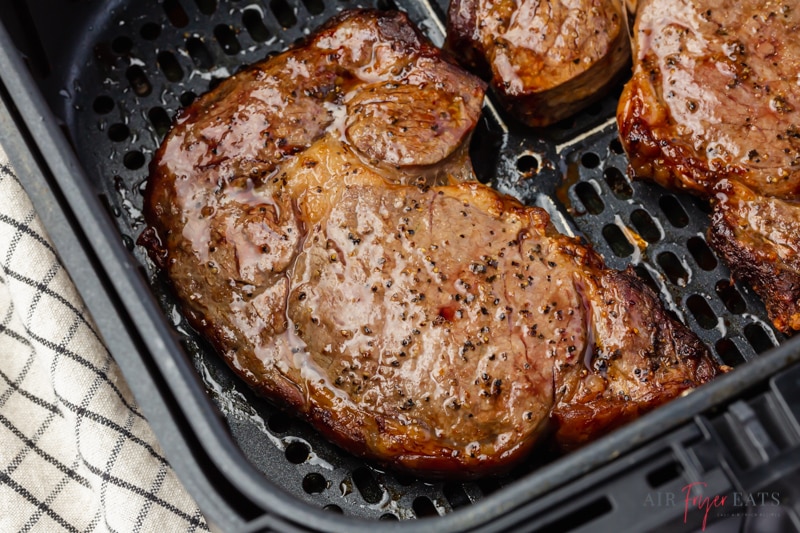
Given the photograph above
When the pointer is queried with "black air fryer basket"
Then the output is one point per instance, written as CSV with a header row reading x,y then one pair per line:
x,y
92,86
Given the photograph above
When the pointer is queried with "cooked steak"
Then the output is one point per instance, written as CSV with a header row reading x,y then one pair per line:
x,y
546,59
307,215
714,108
757,236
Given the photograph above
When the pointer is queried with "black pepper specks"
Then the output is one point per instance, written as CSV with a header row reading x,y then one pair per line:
x,y
496,387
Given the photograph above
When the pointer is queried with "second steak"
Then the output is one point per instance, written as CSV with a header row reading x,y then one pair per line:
x,y
546,59
714,108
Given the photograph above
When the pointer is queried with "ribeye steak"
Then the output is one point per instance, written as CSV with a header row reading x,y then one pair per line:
x,y
714,108
546,59
316,217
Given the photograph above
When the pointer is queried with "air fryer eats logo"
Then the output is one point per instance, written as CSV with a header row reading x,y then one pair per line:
x,y
692,497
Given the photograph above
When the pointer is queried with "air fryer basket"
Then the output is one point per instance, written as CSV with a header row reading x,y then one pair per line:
x,y
131,65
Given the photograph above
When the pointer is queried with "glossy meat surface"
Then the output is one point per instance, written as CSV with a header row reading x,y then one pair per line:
x,y
713,108
411,315
546,59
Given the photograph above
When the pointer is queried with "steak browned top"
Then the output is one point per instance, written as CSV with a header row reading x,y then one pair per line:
x,y
546,59
714,107
307,216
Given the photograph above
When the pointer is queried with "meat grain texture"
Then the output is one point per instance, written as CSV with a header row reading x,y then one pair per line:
x,y
714,108
546,59
317,216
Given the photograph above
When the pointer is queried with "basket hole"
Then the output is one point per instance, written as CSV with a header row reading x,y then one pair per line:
x,y
595,109
138,80
103,105
645,275
645,226
297,452
702,253
206,7
279,423
199,53
702,311
757,338
386,5
283,13
673,268
579,517
121,45
118,132
616,147
187,98
314,483
456,497
528,164
423,506
488,486
702,205
150,31
333,508
133,160
389,516
728,352
366,485
662,475
315,7
619,243
730,297
404,479
674,211
254,24
175,13
590,160
589,198
169,66
618,183
160,120
226,37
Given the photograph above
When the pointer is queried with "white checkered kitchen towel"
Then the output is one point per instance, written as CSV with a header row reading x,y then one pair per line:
x,y
76,454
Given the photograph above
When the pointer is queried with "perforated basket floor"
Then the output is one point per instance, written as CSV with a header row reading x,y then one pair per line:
x,y
145,59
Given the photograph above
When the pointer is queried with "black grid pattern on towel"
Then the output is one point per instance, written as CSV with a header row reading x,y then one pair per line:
x,y
75,452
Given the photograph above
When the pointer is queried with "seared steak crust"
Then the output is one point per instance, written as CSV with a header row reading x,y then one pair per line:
x,y
546,59
714,108
757,236
431,325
